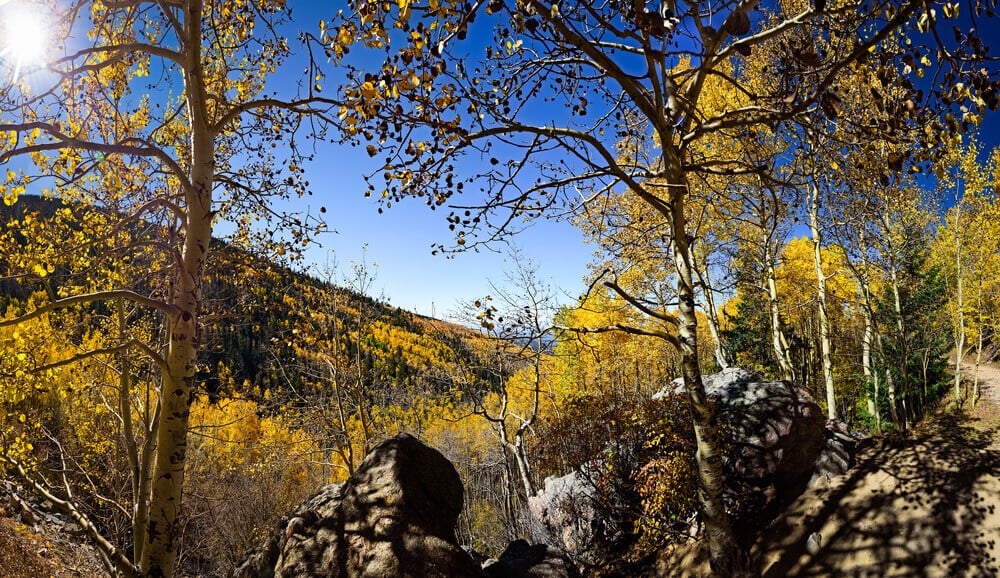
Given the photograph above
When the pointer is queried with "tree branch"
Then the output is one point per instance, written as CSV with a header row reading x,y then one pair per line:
x,y
89,298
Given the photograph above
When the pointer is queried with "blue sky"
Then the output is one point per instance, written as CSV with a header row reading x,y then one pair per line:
x,y
400,239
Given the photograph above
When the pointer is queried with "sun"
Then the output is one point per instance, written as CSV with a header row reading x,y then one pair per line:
x,y
23,37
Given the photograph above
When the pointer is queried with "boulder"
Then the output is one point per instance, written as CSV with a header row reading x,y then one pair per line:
x,y
394,517
775,431
837,454
565,512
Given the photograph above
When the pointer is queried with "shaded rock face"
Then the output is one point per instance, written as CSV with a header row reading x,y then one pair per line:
x,y
774,433
837,455
775,430
394,517
523,560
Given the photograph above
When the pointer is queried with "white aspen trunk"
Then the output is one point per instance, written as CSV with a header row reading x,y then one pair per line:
x,y
960,304
727,559
824,321
163,529
866,359
723,356
521,461
778,341
894,279
979,346
868,341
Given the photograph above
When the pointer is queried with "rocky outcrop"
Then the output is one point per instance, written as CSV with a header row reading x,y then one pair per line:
x,y
774,436
774,429
394,517
565,512
837,454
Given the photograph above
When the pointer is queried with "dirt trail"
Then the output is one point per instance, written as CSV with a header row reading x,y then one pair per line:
x,y
928,506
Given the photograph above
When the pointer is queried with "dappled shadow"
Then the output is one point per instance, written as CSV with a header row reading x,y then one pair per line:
x,y
925,506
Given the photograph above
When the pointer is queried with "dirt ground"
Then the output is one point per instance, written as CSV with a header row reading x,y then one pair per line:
x,y
928,506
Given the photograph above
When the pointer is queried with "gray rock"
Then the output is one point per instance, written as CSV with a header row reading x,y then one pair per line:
x,y
394,517
775,431
565,512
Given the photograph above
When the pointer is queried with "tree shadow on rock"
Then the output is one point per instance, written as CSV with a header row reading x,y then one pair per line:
x,y
925,506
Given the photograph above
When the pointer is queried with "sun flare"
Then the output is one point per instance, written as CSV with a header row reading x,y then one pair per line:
x,y
23,38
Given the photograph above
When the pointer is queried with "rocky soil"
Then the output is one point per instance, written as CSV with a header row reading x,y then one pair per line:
x,y
34,544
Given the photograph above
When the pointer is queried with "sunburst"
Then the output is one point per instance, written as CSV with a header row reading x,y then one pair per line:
x,y
23,36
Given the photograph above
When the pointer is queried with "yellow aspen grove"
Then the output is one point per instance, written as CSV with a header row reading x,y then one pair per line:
x,y
503,111
157,114
962,250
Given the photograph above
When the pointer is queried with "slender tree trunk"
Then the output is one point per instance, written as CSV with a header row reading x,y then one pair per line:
x,y
128,433
163,530
904,352
866,354
979,349
824,321
960,328
778,341
727,558
893,407
517,451
869,339
722,354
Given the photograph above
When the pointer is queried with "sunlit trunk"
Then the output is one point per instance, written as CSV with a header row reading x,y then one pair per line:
x,y
868,341
960,305
723,357
824,321
778,341
727,558
979,346
904,352
866,358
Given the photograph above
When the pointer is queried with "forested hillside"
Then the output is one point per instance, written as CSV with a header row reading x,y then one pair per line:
x,y
804,189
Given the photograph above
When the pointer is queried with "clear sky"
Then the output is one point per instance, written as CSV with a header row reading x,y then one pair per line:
x,y
399,240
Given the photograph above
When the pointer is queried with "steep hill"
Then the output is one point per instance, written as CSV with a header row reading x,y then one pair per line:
x,y
268,327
